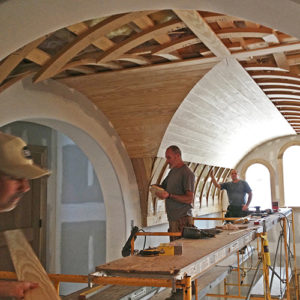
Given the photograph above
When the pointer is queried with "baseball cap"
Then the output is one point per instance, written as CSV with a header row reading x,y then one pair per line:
x,y
16,160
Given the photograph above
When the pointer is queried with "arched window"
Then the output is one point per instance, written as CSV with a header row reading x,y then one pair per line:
x,y
258,177
291,174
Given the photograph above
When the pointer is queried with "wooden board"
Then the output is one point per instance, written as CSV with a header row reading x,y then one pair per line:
x,y
193,250
28,267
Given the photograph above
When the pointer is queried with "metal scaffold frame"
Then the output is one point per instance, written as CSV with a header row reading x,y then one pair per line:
x,y
184,281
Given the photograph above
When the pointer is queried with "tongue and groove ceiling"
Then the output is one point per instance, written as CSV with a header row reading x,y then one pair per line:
x,y
139,67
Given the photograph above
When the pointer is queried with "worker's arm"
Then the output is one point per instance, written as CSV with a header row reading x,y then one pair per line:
x,y
16,289
246,206
187,198
216,184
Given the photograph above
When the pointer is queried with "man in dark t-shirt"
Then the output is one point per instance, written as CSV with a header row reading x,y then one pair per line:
x,y
236,190
178,191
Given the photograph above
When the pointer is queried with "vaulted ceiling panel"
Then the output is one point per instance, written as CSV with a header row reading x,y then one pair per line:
x,y
224,116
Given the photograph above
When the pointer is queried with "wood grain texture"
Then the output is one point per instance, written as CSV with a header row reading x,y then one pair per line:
x,y
202,30
28,267
139,104
193,250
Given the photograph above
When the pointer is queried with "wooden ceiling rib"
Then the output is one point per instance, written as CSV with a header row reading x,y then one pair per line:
x,y
8,64
94,33
138,39
203,31
164,41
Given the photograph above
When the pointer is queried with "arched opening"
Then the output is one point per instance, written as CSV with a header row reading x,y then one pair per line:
x,y
291,166
80,227
53,105
258,177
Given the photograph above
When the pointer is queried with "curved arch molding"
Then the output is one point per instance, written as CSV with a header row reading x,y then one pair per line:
x,y
54,105
223,117
16,31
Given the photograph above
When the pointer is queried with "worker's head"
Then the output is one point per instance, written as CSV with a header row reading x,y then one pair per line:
x,y
173,156
16,169
234,175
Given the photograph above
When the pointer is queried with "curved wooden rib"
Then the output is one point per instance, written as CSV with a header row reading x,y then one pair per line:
x,y
204,184
230,33
14,80
292,114
277,82
102,43
283,94
211,185
266,51
53,66
139,60
218,178
274,75
197,24
139,38
287,107
278,89
176,45
9,63
287,100
145,23
262,68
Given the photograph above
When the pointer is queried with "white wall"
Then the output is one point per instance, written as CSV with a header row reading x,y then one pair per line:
x,y
53,105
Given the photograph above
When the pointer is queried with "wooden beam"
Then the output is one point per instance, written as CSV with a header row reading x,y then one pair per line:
x,y
57,62
38,56
102,43
281,60
266,51
293,59
229,33
176,45
197,24
9,63
145,23
139,60
28,267
139,38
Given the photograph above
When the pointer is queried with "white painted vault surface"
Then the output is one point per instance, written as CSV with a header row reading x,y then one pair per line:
x,y
223,117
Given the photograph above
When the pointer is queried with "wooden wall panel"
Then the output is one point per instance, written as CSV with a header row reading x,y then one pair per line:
x,y
139,102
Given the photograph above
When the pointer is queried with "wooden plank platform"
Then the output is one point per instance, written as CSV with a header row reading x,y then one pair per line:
x,y
205,251
198,257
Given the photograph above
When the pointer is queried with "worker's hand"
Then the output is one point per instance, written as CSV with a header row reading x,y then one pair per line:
x,y
245,207
162,194
16,289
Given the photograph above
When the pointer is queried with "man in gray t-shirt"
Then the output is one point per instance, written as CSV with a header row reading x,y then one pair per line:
x,y
178,191
236,191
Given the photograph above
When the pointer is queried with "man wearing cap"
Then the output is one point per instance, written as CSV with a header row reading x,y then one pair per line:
x,y
16,169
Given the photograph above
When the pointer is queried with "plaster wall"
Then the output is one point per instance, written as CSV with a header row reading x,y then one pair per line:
x,y
270,154
54,105
24,21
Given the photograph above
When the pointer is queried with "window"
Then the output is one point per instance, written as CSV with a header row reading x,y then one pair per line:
x,y
291,167
258,177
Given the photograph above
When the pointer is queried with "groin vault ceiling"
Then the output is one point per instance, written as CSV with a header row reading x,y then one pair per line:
x,y
176,47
